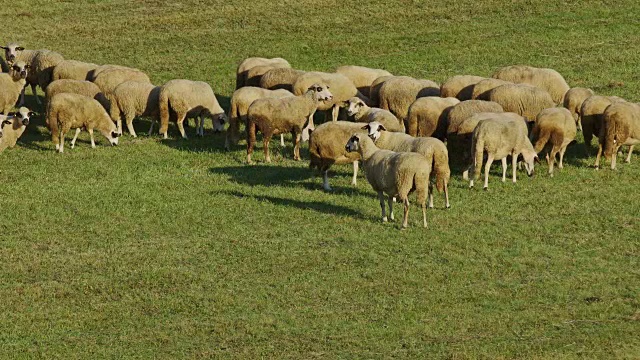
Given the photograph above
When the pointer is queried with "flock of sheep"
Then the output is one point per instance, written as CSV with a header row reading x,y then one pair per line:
x,y
396,126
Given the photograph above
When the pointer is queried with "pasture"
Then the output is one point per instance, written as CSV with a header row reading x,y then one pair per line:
x,y
177,249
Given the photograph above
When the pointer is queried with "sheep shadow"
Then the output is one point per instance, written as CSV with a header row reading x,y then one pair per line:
x,y
318,206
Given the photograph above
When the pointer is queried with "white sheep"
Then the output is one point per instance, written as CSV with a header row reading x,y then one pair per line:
x,y
428,116
248,63
74,70
431,148
399,92
12,84
591,115
362,113
326,148
68,111
289,114
523,99
240,102
482,88
280,78
394,174
82,87
621,126
339,85
465,109
374,89
499,139
460,86
108,78
362,77
193,99
132,99
573,100
546,79
12,126
555,127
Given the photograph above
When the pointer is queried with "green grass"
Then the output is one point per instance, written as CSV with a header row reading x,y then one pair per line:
x,y
177,249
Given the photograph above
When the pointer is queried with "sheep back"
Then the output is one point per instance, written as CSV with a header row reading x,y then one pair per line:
x,y
327,144
362,77
280,78
74,70
621,122
340,87
248,63
399,92
555,125
573,100
43,65
523,99
81,87
591,114
427,116
465,109
107,80
374,89
460,86
482,88
546,79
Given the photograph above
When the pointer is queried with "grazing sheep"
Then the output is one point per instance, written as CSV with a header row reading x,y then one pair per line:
x,y
12,85
482,88
340,86
522,99
280,78
591,115
194,99
102,68
621,126
573,100
394,174
362,77
248,63
68,111
546,79
374,90
555,127
82,87
499,139
465,109
326,148
460,86
12,126
399,92
254,75
362,113
465,130
428,116
131,99
432,149
289,114
108,79
74,70
240,102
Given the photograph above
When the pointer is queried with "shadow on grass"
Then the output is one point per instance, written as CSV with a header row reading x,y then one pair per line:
x,y
319,206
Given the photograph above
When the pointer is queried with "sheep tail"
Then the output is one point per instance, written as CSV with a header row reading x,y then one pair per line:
x,y
163,102
477,149
542,137
615,133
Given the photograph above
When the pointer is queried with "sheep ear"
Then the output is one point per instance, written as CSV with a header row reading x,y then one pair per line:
x,y
31,113
115,134
536,159
4,47
19,48
11,114
27,66
381,128
366,127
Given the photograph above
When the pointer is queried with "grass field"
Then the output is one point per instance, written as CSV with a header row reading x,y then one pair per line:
x,y
177,249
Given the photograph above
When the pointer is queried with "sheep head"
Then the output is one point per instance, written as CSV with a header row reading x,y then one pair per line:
x,y
218,122
320,92
11,51
19,70
353,144
355,105
374,130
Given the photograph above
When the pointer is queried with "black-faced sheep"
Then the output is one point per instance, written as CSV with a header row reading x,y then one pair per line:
x,y
12,85
12,126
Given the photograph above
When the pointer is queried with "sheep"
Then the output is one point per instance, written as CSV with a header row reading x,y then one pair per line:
x,y
499,138
482,88
254,75
93,74
74,70
394,174
12,126
374,89
280,78
573,100
12,85
326,147
82,87
546,79
41,63
432,149
131,99
340,86
362,113
523,99
556,127
427,116
460,86
74,111
240,102
108,79
399,92
621,126
189,98
362,77
248,63
591,115
277,116
465,109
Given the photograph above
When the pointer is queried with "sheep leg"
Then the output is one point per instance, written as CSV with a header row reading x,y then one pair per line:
x,y
390,200
405,221
35,94
446,195
93,142
282,140
129,121
597,164
251,140
504,169
75,137
296,145
381,199
200,129
562,151
181,118
354,179
21,102
430,196
424,215
614,157
551,158
514,162
325,180
334,112
265,146
61,149
628,159
153,122
486,171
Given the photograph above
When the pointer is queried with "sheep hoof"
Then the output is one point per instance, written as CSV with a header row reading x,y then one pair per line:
x,y
628,161
328,188
486,188
384,219
448,206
